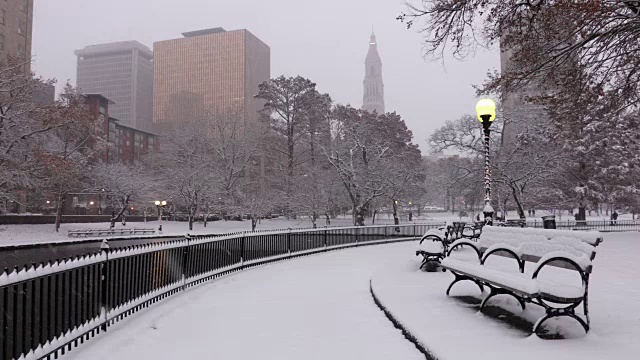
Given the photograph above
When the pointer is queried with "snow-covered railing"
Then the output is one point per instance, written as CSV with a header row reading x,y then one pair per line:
x,y
47,309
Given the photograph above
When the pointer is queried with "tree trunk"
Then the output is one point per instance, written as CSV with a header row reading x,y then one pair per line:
x,y
359,212
60,204
453,204
582,211
314,217
253,223
446,202
290,161
206,216
123,207
518,202
396,220
373,218
327,218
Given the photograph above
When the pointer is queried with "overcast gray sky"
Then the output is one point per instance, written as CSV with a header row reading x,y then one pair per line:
x,y
325,41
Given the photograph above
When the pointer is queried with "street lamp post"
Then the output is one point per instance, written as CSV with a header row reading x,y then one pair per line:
x,y
160,205
486,110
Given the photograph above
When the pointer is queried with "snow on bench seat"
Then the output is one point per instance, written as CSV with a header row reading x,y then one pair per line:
x,y
520,283
431,247
515,281
441,232
590,237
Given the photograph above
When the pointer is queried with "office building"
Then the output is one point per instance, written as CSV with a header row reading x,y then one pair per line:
x,y
208,71
122,72
126,144
373,99
16,24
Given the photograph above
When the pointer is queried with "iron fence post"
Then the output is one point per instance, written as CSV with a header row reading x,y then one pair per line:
x,y
242,240
104,249
325,238
185,258
289,242
385,232
357,231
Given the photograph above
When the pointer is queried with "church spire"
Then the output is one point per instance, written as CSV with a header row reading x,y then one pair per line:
x,y
373,98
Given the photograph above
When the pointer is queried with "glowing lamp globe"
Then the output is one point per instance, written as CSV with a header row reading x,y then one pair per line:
x,y
157,202
486,107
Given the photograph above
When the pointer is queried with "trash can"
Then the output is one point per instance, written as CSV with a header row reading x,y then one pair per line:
x,y
549,222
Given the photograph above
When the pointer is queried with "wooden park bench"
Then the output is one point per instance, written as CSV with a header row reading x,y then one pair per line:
x,y
110,232
434,244
515,223
566,249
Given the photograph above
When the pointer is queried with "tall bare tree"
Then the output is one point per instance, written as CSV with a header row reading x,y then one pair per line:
x,y
24,125
69,149
185,166
371,154
121,185
291,109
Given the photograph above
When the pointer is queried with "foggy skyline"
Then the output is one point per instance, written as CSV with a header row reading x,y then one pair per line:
x,y
326,42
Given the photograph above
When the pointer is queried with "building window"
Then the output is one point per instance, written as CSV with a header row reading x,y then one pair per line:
x,y
3,16
138,146
22,28
21,52
23,6
1,42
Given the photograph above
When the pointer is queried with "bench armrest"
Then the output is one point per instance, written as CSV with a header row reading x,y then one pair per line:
x,y
511,250
432,237
461,242
581,264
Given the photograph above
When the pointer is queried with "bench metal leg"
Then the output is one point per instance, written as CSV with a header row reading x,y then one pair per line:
x,y
499,291
459,277
586,299
554,312
427,257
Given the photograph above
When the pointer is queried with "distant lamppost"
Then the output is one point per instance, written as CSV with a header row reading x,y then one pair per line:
x,y
486,110
160,205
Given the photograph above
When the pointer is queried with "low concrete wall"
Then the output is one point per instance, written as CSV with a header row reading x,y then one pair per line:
x,y
51,219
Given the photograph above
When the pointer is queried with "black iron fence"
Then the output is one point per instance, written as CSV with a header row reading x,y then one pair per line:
x,y
47,310
600,225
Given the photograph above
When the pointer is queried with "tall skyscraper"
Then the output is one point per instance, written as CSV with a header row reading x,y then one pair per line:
x,y
373,99
518,112
16,23
123,72
209,70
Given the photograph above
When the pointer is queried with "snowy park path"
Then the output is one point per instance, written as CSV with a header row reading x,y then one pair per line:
x,y
316,307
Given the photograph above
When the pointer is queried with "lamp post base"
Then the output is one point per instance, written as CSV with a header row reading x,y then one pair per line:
x,y
488,218
488,213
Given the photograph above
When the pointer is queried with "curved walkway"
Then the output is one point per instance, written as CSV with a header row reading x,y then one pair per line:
x,y
316,307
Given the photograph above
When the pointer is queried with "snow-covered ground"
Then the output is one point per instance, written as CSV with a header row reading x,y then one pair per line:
x,y
317,307
29,234
454,329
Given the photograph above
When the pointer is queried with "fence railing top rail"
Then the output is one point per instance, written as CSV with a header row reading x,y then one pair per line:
x,y
24,274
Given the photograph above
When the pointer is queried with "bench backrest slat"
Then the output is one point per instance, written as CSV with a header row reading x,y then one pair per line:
x,y
533,244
